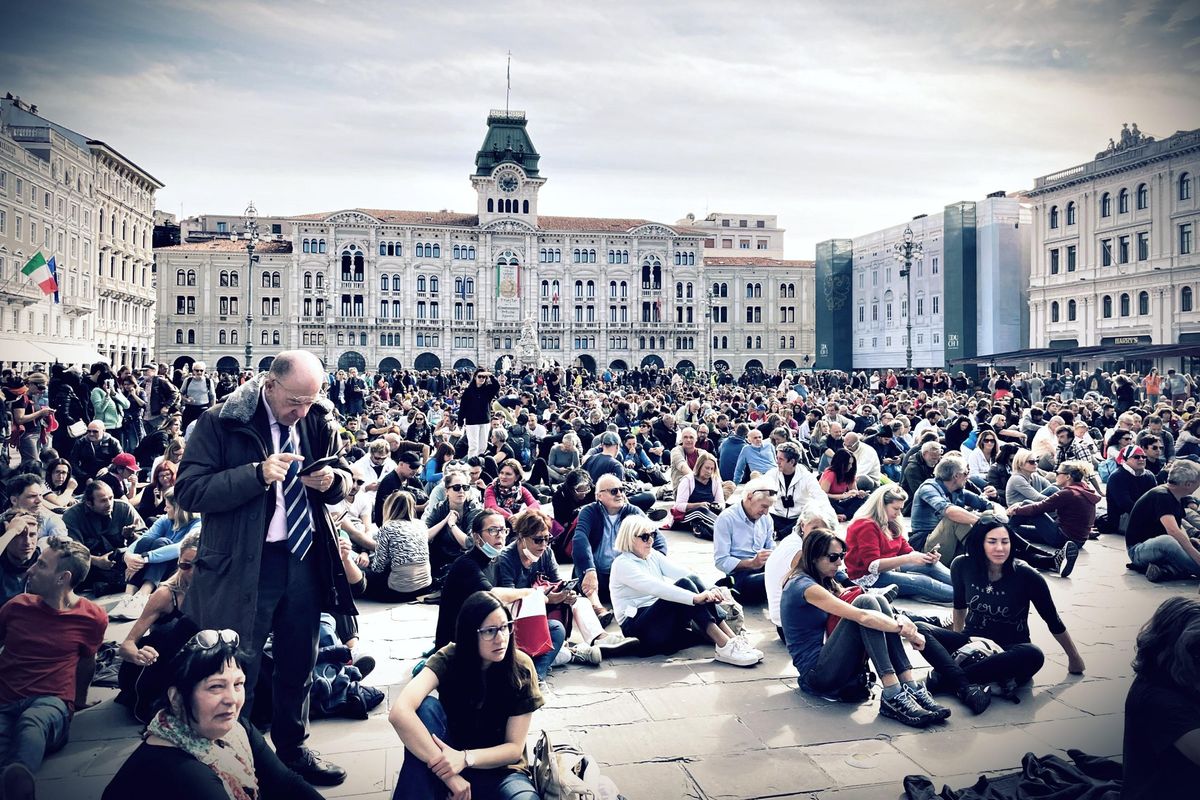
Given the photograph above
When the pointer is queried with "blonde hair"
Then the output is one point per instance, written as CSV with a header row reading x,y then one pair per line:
x,y
631,527
704,458
875,508
1020,457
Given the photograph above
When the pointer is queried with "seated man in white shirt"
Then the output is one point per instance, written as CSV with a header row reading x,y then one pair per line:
x,y
797,488
812,516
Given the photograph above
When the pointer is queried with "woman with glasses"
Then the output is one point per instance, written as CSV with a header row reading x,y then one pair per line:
x,y
832,665
153,556
157,635
664,605
61,485
399,570
153,502
196,747
506,494
878,554
1026,483
1073,508
470,739
449,523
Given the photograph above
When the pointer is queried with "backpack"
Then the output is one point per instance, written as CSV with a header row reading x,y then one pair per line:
x,y
564,772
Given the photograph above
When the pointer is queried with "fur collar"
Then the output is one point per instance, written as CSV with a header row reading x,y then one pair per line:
x,y
240,405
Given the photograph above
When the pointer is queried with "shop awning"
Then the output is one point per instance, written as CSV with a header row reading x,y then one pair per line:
x,y
14,349
69,353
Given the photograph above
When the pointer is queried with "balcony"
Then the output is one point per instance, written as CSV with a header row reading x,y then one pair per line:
x,y
78,305
21,290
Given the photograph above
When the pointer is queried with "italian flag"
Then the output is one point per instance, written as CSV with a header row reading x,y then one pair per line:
x,y
39,270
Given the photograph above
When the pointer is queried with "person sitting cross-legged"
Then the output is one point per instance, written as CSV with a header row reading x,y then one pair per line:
x,y
879,555
1155,539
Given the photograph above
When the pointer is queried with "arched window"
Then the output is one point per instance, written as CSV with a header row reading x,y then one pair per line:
x,y
274,280
433,282
180,278
1185,299
749,342
384,283
322,246
1107,307
420,283
690,291
758,342
308,280
383,248
179,336
320,280
1143,197
1071,213
395,283
437,251
1124,305
191,339
1123,202
420,249
224,280
1185,187
275,337
491,206
1071,309
266,337
1143,303
470,254
679,291
1106,205
233,337
1054,311
1053,217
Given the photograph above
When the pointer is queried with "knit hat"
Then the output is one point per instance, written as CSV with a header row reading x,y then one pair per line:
x,y
1128,452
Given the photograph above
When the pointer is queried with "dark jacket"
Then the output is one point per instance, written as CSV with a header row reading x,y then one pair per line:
x,y
1124,489
476,403
219,479
916,472
589,532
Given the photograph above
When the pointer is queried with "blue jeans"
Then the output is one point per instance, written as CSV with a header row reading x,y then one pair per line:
x,y
1041,529
924,582
558,635
1166,552
417,782
154,573
751,585
31,729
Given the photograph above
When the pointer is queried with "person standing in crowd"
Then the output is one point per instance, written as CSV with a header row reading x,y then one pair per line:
x,y
476,409
198,392
269,560
31,414
162,398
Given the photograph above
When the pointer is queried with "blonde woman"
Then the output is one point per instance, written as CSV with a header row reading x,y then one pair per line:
x,y
700,497
878,554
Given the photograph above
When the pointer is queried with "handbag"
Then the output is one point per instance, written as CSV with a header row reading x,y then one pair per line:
x,y
76,429
562,772
846,596
530,625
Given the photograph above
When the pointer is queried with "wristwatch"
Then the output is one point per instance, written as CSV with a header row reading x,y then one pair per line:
x,y
469,758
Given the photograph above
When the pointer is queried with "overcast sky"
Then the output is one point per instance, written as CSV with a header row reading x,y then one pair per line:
x,y
840,117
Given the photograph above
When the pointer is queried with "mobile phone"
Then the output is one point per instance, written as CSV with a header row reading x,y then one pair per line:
x,y
569,586
313,466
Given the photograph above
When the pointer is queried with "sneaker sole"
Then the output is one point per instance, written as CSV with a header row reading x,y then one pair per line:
x,y
624,648
922,722
735,663
1072,553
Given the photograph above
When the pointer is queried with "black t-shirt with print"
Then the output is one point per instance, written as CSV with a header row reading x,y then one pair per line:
x,y
1155,718
999,610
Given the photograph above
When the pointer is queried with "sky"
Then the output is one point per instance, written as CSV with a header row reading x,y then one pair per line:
x,y
839,117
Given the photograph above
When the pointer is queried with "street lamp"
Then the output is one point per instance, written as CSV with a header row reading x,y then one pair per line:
x,y
709,314
252,259
907,252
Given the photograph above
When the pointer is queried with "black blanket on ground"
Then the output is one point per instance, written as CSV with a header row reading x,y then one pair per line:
x,y
1043,778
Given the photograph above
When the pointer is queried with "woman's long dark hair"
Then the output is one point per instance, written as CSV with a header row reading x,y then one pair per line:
x,y
955,435
816,547
1004,455
974,544
473,686
50,467
1168,646
843,465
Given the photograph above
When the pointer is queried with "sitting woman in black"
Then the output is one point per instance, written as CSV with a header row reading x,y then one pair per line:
x,y
196,747
1162,711
992,595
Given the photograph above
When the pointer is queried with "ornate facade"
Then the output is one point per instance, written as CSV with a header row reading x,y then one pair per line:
x,y
380,289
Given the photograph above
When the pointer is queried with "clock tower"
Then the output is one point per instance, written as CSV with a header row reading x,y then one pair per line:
x,y
506,177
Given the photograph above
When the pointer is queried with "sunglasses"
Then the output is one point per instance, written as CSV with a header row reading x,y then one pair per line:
x,y
539,539
185,565
617,492
208,639
645,537
458,487
835,557
490,633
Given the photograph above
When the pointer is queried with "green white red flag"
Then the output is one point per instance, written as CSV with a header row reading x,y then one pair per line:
x,y
42,275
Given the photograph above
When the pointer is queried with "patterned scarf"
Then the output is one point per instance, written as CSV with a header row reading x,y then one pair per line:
x,y
509,499
229,757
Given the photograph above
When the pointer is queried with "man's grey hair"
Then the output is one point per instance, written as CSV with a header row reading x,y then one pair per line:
x,y
821,511
1183,472
949,468
932,444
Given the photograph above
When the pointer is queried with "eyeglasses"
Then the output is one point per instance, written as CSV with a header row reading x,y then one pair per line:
x,y
615,492
539,539
490,633
835,557
186,566
208,639
645,537
358,482
458,487
494,529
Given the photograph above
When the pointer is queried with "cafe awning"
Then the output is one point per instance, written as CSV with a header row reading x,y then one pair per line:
x,y
15,349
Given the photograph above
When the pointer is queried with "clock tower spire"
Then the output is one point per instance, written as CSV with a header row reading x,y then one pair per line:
x,y
506,177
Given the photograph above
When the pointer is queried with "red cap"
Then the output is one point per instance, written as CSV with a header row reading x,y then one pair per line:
x,y
125,460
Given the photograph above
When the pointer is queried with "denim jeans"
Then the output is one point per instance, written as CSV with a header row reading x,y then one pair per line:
x,y
558,635
1041,529
154,573
841,658
31,729
751,585
924,582
417,782
1166,552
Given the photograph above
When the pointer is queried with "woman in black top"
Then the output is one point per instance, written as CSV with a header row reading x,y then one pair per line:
x,y
1000,471
992,595
196,748
957,433
1162,710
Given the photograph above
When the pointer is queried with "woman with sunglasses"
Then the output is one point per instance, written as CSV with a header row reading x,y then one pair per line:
x,y
470,739
160,631
196,747
832,666
981,457
878,554
664,605
153,556
448,523
1026,483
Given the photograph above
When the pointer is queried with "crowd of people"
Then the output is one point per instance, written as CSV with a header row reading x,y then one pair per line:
x,y
238,518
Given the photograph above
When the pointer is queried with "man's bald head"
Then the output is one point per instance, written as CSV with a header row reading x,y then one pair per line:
x,y
293,385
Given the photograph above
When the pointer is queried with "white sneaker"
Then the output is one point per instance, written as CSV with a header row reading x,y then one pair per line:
x,y
745,645
734,653
586,654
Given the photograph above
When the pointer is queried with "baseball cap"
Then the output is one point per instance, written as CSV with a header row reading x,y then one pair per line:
x,y
608,439
125,460
410,458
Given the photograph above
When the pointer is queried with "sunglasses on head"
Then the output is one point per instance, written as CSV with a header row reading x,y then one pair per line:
x,y
208,639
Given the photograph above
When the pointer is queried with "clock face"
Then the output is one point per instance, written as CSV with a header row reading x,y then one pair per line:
x,y
508,183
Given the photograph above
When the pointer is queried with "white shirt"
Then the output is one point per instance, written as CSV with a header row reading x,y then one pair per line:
x,y
779,563
803,490
277,530
868,461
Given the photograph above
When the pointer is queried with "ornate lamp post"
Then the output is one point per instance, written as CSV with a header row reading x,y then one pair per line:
x,y
252,259
907,252
709,314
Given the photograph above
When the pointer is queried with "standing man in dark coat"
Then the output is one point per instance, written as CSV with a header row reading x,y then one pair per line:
x,y
268,561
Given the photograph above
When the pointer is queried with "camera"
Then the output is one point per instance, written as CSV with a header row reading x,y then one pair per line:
x,y
787,501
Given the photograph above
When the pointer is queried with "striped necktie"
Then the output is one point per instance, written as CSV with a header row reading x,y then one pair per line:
x,y
295,499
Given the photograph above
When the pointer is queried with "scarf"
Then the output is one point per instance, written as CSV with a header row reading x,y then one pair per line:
x,y
509,499
230,757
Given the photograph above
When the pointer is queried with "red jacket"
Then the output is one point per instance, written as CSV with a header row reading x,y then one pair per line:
x,y
1075,504
865,542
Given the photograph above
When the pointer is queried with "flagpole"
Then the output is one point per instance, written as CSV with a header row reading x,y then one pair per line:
x,y
508,82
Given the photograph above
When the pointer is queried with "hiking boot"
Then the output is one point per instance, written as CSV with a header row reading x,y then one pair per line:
x,y
975,697
735,652
1157,573
586,654
1064,559
17,782
614,644
905,709
925,700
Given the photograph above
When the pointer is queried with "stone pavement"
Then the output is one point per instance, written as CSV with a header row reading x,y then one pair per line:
x,y
687,727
